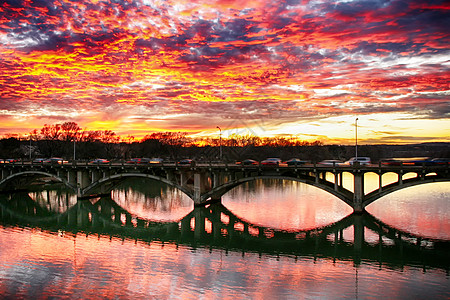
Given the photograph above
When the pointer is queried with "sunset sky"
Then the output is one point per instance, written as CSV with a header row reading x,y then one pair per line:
x,y
299,68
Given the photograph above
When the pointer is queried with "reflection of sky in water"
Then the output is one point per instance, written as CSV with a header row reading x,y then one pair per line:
x,y
423,210
152,200
284,204
35,263
287,205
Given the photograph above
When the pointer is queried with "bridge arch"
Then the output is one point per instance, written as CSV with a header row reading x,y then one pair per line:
x,y
218,191
35,174
112,178
393,187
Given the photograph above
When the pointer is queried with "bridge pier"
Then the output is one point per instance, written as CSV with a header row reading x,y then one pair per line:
x,y
72,178
380,181
358,192
82,182
5,173
202,184
336,180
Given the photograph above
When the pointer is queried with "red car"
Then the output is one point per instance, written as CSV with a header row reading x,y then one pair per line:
x,y
249,162
271,162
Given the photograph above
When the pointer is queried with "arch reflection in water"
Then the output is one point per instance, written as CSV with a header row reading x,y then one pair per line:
x,y
217,227
152,200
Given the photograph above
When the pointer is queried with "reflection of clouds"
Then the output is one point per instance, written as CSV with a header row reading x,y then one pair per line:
x,y
163,203
285,205
418,210
89,266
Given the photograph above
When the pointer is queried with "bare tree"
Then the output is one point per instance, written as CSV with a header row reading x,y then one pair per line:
x,y
51,132
70,131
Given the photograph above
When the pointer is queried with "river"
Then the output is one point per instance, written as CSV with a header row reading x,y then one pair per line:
x,y
268,239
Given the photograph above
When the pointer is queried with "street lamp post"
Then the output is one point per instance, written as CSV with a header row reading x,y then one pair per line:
x,y
74,149
30,147
220,142
356,138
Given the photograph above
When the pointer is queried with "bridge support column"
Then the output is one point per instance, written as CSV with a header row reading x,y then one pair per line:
x,y
422,175
82,181
170,175
183,178
336,181
72,178
197,188
216,179
316,174
358,192
95,175
61,173
202,183
380,181
5,173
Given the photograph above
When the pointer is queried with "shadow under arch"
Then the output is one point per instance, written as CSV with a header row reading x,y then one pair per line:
x,y
25,177
110,182
339,192
105,217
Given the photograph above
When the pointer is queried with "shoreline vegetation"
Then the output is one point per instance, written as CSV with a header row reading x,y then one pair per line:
x,y
63,140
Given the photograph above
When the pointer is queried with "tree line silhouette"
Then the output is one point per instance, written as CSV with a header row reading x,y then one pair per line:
x,y
60,140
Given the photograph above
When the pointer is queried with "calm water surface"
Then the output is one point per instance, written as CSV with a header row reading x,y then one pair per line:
x,y
269,239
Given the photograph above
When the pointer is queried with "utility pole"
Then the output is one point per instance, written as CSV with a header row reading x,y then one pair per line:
x,y
220,142
356,138
30,146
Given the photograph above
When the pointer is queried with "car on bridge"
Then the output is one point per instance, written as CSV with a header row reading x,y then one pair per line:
x,y
39,160
440,161
331,162
390,162
10,160
296,162
248,162
99,161
408,161
362,160
55,161
186,161
271,162
139,161
156,160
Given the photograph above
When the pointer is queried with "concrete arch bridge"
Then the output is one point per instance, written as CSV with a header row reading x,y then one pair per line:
x,y
207,183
